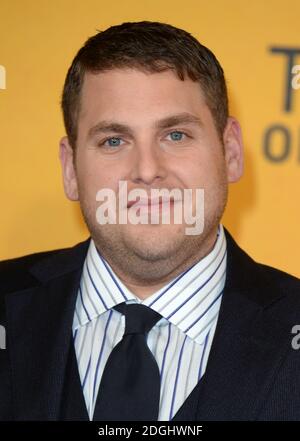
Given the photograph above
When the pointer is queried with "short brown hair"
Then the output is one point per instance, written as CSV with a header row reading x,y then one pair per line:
x,y
150,47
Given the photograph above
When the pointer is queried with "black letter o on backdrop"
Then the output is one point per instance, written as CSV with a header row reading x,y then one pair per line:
x,y
286,145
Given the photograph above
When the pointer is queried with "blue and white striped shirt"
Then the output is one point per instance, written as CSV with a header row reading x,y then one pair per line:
x,y
180,341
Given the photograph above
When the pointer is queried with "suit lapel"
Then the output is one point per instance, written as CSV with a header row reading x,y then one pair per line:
x,y
247,351
39,325
249,345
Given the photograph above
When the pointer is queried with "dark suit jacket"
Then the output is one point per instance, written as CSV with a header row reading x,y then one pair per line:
x,y
253,373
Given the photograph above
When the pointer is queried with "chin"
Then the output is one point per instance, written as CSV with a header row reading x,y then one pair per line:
x,y
154,245
153,254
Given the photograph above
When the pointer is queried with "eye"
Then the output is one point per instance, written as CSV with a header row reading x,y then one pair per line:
x,y
177,135
112,142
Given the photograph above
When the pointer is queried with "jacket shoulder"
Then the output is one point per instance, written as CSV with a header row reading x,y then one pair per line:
x,y
263,282
279,277
15,273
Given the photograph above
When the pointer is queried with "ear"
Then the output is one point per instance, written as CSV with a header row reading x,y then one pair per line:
x,y
66,156
233,146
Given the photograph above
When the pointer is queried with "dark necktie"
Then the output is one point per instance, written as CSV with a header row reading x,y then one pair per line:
x,y
130,385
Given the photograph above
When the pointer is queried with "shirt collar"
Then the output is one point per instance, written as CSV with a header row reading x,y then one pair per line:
x,y
190,301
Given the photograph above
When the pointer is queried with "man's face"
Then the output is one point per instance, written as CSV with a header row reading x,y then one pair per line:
x,y
151,152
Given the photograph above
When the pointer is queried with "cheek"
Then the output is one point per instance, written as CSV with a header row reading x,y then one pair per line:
x,y
198,171
93,176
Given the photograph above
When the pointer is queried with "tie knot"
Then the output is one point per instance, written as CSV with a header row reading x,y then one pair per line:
x,y
139,319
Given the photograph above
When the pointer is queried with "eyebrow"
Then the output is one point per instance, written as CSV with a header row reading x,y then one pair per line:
x,y
170,121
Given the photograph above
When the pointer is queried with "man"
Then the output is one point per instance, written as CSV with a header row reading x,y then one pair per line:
x,y
145,104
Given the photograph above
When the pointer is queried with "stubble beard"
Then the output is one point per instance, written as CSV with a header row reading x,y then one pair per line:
x,y
153,259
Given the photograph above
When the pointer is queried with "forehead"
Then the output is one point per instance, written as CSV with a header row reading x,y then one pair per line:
x,y
129,87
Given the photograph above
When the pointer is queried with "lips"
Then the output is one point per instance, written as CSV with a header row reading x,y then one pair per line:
x,y
148,202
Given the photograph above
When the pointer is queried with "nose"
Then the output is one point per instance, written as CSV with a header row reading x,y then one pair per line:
x,y
148,164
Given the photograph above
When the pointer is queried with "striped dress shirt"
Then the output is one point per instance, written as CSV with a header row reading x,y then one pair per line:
x,y
180,341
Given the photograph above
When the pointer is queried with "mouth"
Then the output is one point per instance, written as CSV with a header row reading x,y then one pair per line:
x,y
149,203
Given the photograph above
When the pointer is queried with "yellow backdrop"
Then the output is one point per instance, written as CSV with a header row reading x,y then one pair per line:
x,y
257,42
